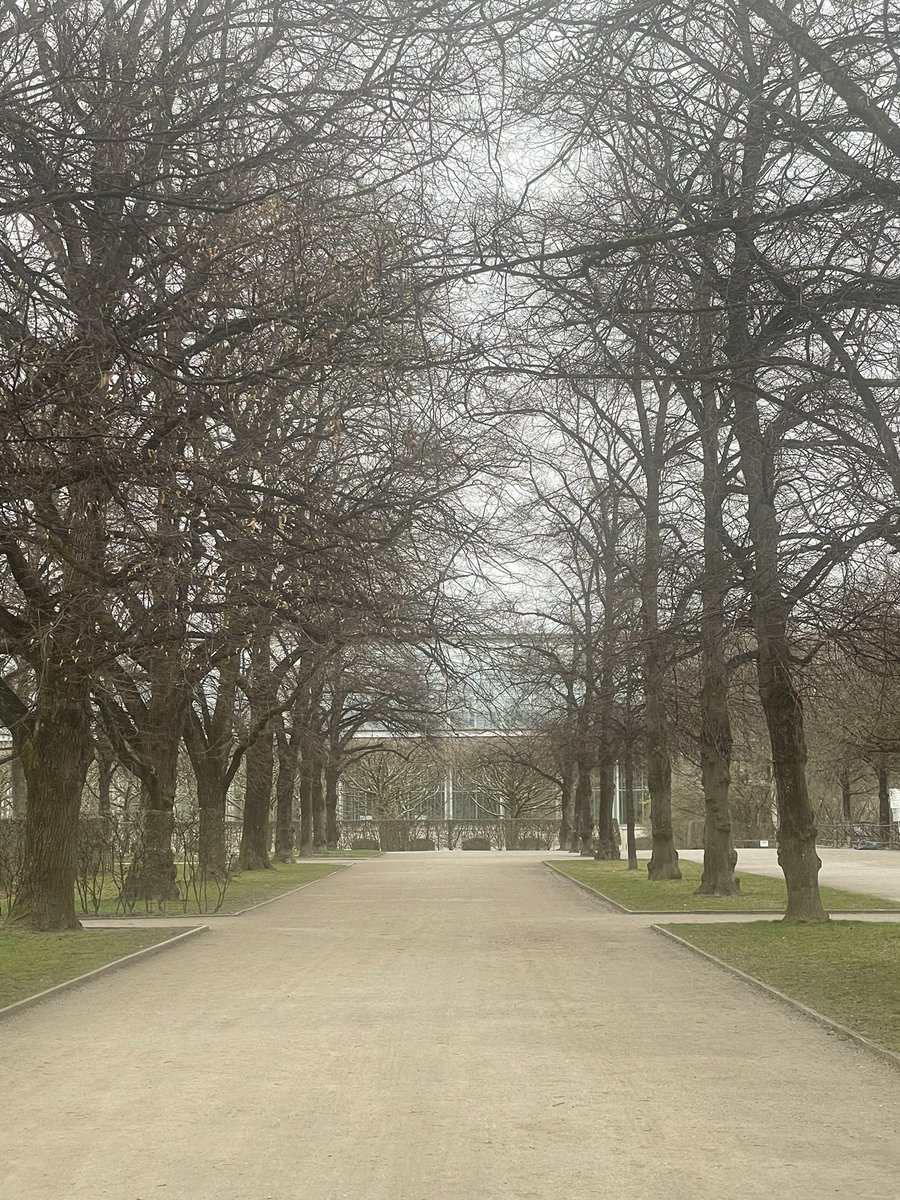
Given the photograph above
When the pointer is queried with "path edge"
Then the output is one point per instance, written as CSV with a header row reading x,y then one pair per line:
x,y
10,1009
588,890
338,867
813,1014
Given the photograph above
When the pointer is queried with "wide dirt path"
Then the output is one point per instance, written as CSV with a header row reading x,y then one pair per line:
x,y
436,1027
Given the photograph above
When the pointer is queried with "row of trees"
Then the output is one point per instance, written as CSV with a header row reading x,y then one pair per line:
x,y
300,350
234,451
700,289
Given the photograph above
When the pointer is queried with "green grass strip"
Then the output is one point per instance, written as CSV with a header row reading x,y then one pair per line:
x,y
846,970
759,893
32,962
245,890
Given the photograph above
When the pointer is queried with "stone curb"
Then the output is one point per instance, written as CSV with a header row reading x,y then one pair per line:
x,y
10,1009
592,892
707,912
834,1026
216,916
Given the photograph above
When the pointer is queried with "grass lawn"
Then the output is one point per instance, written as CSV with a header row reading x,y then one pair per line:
x,y
246,889
848,970
759,893
32,962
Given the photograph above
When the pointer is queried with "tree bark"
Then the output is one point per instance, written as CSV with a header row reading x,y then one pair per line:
x,y
332,777
154,873
783,709
18,787
664,857
285,790
630,840
565,805
719,855
259,761
584,816
55,750
307,772
884,803
212,801
317,800
259,767
607,842
846,795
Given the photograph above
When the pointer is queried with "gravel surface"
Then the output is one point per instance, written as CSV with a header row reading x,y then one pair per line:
x,y
437,1027
875,872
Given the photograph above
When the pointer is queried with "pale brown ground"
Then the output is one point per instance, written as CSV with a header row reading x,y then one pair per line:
x,y
436,1027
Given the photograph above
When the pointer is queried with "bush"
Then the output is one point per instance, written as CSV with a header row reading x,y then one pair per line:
x,y
364,844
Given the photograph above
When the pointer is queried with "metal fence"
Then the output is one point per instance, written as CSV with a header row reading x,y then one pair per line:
x,y
859,835
449,835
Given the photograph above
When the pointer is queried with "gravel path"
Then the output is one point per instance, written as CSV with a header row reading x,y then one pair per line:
x,y
436,1027
875,872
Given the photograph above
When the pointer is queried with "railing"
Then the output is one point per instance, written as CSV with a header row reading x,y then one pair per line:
x,y
518,834
859,835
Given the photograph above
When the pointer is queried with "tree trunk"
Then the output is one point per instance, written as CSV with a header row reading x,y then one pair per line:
x,y
629,810
317,799
584,816
565,806
307,772
259,767
285,789
212,800
664,857
154,873
607,841
332,776
259,761
778,692
884,804
104,784
18,787
55,751
846,795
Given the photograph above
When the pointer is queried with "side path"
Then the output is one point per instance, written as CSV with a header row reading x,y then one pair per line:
x,y
875,872
436,1027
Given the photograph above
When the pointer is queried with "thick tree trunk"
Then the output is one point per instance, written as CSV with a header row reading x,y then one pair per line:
x,y
780,698
332,776
584,816
778,691
259,767
55,751
18,787
318,807
663,857
565,808
154,873
285,790
630,840
307,773
259,761
212,800
607,841
210,745
719,856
